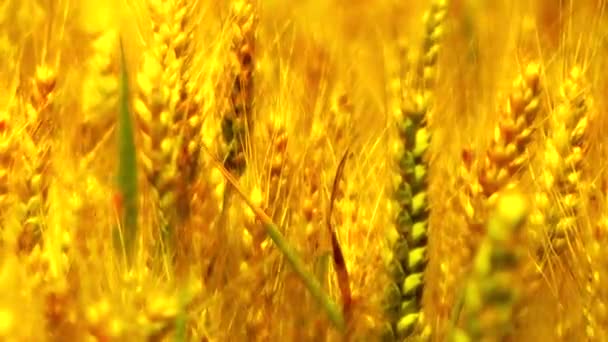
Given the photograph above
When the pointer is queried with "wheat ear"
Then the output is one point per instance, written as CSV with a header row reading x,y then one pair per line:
x,y
490,293
410,244
160,111
506,155
237,120
563,160
35,150
561,178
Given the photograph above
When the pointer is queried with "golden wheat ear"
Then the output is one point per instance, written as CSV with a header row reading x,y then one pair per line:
x,y
36,154
566,145
508,153
559,201
167,116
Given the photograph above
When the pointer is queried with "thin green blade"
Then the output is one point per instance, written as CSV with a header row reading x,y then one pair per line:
x,y
127,164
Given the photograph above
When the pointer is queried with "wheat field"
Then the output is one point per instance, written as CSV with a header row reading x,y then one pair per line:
x,y
315,170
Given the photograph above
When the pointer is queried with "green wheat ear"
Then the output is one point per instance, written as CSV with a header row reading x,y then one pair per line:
x,y
127,167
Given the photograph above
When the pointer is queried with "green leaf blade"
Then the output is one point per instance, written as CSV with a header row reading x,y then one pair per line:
x,y
127,163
